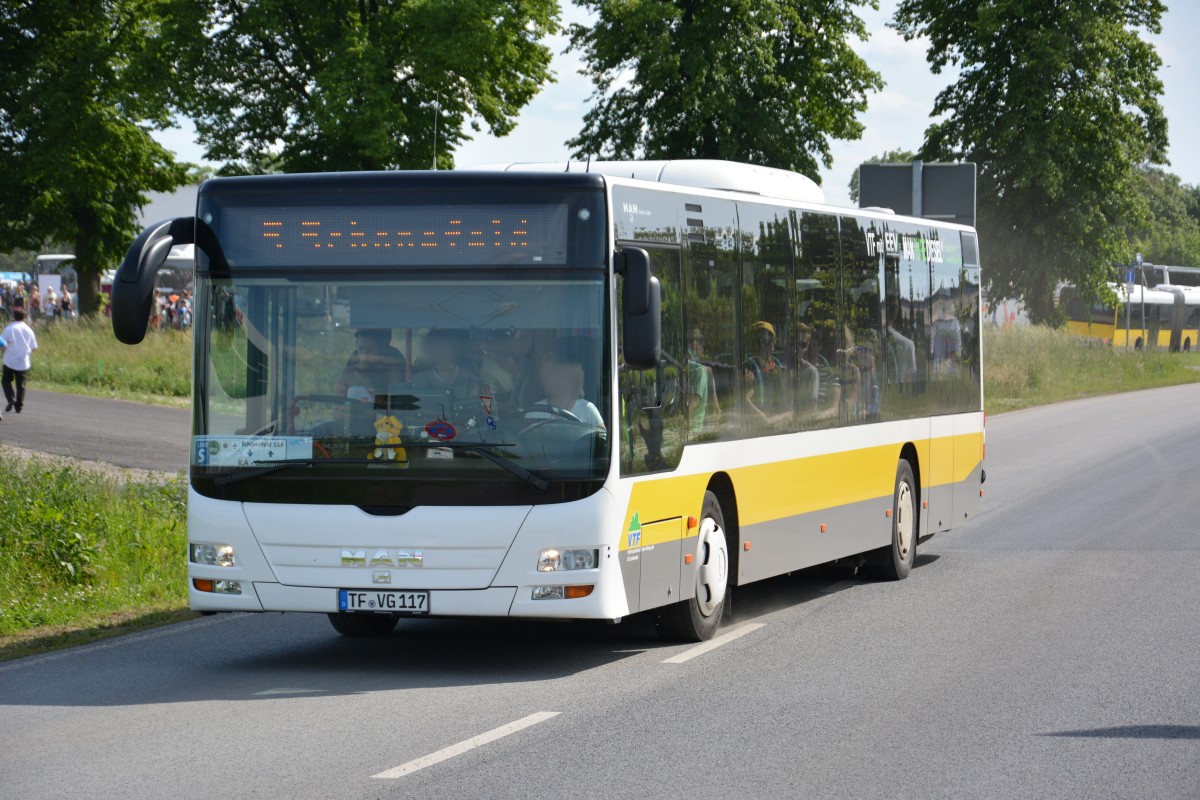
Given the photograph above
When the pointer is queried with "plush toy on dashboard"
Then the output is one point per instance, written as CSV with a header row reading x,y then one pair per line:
x,y
387,436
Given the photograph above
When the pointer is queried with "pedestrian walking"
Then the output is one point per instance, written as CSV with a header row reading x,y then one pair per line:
x,y
20,342
3,347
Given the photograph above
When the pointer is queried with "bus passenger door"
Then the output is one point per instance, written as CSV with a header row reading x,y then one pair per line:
x,y
652,430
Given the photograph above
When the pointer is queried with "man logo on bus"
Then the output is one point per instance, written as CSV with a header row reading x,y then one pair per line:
x,y
635,531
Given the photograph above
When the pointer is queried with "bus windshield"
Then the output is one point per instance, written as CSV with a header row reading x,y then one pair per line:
x,y
402,389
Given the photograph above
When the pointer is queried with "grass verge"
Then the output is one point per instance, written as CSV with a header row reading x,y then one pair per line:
x,y
1032,365
84,555
83,357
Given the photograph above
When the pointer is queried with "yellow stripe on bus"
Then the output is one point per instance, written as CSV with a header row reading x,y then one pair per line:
x,y
769,492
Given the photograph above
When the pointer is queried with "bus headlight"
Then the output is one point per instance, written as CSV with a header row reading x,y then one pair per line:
x,y
216,587
214,555
561,592
554,560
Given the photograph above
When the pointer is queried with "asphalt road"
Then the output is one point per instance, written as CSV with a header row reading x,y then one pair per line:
x,y
1049,648
126,434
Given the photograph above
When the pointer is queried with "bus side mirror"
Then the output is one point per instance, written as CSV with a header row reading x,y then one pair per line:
x,y
641,305
133,286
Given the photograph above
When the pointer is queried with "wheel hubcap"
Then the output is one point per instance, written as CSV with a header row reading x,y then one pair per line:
x,y
713,571
904,521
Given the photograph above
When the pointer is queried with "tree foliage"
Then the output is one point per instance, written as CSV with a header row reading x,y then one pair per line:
x,y
1057,103
1171,234
764,81
899,156
322,85
77,103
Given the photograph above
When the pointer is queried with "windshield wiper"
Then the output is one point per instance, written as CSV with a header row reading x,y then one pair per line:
x,y
482,448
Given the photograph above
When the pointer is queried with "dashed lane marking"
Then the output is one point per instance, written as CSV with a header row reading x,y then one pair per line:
x,y
712,644
466,746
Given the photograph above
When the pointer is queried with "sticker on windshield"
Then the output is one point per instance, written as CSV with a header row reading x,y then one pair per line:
x,y
248,451
441,430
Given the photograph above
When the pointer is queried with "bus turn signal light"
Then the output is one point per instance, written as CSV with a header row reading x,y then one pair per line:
x,y
202,584
693,523
579,591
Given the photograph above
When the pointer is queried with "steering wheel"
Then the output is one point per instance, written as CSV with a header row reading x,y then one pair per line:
x,y
557,415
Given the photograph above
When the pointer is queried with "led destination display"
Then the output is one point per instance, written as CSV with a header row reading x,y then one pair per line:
x,y
384,236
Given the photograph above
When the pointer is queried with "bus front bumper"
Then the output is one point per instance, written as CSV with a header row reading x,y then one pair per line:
x,y
495,601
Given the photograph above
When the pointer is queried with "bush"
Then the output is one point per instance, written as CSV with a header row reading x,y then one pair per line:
x,y
76,543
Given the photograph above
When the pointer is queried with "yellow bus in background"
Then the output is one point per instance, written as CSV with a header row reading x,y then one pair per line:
x,y
1140,317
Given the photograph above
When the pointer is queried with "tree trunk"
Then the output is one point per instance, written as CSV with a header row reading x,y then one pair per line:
x,y
89,276
89,293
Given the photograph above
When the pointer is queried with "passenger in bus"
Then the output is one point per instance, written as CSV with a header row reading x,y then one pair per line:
x,y
703,406
442,355
765,376
374,365
867,402
808,379
901,350
562,381
946,335
501,360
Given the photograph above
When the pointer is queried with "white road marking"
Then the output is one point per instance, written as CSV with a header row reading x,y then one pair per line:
x,y
712,644
465,746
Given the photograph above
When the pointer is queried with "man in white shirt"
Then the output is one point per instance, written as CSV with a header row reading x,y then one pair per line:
x,y
20,343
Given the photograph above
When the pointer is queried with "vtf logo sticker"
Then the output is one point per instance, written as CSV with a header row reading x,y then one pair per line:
x,y
635,532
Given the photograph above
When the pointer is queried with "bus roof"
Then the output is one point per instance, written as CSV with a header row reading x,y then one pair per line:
x,y
696,173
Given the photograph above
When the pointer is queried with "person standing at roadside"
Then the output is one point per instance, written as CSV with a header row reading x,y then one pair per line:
x,y
3,347
20,343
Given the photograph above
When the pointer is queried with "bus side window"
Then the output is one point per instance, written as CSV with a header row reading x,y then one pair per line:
x,y
653,413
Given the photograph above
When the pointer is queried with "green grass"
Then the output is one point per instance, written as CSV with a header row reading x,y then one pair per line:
x,y
83,357
83,551
1032,365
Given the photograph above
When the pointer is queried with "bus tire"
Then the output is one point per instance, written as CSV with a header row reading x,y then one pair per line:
x,y
697,619
363,624
897,558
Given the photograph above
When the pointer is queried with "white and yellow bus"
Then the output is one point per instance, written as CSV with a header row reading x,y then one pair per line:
x,y
1166,317
562,392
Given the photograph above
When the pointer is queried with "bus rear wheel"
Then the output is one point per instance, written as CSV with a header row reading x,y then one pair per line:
x,y
896,560
363,624
697,619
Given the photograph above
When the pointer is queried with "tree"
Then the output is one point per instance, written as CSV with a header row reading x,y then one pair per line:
x,y
769,82
1057,103
1171,234
887,157
323,85
77,102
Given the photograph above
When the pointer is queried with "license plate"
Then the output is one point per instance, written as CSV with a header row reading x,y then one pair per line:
x,y
374,601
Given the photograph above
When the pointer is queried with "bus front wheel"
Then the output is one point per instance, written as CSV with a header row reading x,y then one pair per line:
x,y
363,624
697,619
896,560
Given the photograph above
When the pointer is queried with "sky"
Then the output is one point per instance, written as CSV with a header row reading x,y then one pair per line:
x,y
896,117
